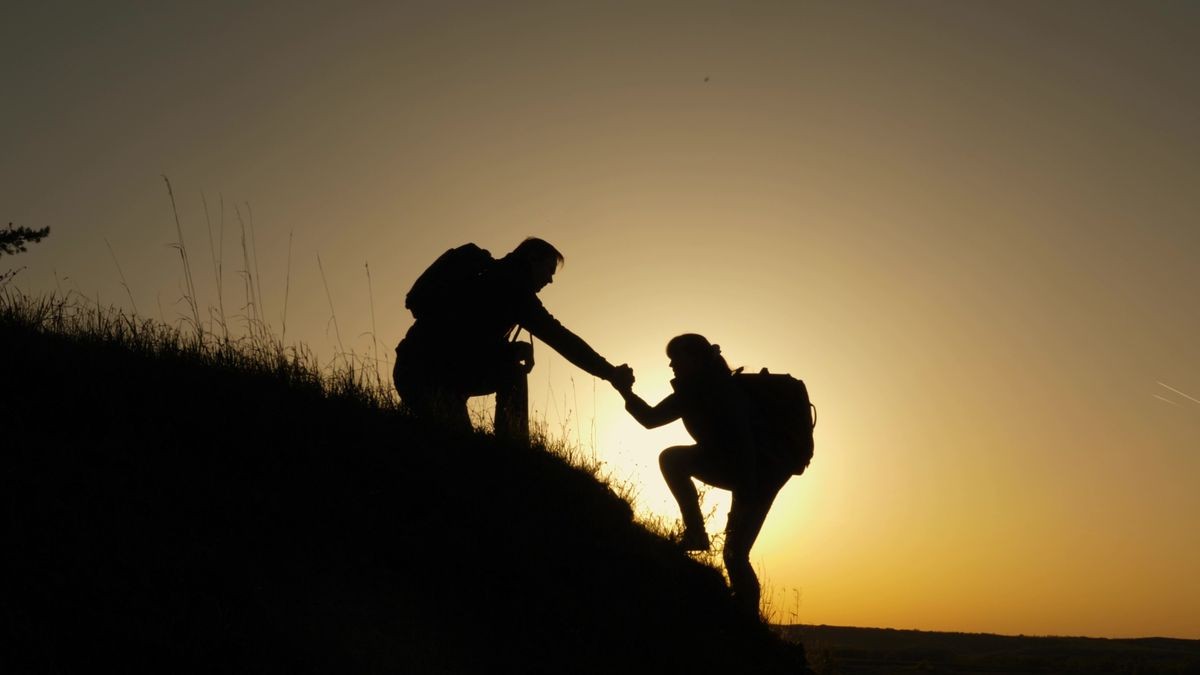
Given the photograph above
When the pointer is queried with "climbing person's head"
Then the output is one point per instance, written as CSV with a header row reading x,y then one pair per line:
x,y
693,354
537,258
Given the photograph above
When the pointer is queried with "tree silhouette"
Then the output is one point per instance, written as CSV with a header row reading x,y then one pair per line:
x,y
14,239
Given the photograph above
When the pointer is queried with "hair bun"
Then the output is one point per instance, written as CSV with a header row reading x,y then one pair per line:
x,y
716,349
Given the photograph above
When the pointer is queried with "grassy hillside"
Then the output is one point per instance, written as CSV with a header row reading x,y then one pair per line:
x,y
174,506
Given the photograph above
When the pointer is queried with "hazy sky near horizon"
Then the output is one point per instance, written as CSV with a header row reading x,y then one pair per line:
x,y
971,227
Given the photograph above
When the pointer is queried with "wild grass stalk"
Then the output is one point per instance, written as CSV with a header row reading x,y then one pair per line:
x,y
374,333
121,274
217,263
332,314
780,606
593,438
254,256
251,308
575,398
190,295
7,276
287,286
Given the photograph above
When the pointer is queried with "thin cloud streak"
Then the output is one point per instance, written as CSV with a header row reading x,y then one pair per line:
x,y
1167,400
1190,398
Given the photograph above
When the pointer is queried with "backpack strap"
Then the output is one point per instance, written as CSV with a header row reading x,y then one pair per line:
x,y
516,334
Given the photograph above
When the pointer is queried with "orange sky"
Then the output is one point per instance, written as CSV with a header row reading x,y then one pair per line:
x,y
971,228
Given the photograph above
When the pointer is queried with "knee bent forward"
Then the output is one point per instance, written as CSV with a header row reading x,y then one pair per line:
x,y
674,458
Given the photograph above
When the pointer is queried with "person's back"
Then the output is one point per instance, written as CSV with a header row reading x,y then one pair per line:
x,y
471,320
446,284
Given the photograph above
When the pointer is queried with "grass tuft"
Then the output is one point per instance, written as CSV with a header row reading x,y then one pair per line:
x,y
260,353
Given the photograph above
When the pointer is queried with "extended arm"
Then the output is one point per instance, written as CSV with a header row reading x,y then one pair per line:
x,y
544,326
665,412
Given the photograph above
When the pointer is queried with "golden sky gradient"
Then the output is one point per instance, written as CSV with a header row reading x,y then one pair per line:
x,y
970,227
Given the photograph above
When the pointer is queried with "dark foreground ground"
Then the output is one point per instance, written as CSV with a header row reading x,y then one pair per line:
x,y
164,513
877,651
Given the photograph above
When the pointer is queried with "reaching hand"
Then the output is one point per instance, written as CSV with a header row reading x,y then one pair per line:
x,y
622,378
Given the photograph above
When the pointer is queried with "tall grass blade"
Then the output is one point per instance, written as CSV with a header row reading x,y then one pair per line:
x,y
254,256
187,268
332,314
216,265
251,307
374,333
287,286
121,273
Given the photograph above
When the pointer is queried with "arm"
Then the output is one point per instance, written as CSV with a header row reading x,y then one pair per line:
x,y
665,412
544,326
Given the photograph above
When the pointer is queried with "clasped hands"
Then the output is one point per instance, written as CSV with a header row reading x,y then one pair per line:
x,y
622,378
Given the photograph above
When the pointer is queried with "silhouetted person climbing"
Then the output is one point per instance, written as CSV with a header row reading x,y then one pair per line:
x,y
733,451
467,305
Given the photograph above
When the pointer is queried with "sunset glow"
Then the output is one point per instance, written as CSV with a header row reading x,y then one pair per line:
x,y
971,228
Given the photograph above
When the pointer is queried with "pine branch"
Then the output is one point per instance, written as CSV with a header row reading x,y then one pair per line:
x,y
14,239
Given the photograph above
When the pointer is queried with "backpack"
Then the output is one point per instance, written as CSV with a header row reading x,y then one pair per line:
x,y
448,282
784,417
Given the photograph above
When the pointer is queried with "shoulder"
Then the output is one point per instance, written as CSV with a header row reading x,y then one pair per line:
x,y
474,250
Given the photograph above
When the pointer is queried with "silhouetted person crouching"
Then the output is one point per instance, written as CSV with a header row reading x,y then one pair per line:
x,y
729,454
467,305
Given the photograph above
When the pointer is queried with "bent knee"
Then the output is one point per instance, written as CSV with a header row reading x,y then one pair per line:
x,y
675,458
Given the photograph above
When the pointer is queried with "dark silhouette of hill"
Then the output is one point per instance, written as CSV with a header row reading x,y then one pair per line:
x,y
882,651
170,511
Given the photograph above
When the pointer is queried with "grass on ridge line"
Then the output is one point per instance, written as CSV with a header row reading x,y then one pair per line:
x,y
79,319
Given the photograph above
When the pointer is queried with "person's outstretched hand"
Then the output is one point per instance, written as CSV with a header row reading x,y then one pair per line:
x,y
623,379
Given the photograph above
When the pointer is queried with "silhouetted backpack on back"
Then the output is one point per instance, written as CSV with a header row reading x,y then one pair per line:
x,y
448,283
784,417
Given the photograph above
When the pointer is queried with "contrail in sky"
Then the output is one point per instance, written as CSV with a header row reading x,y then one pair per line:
x,y
1166,400
1190,398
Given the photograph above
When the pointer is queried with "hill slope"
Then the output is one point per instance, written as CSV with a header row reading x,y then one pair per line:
x,y
168,512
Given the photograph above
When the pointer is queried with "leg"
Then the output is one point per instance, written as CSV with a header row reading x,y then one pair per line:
x,y
503,373
512,407
746,518
678,465
429,400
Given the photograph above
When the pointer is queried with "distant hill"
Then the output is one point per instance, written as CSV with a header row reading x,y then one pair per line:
x,y
173,509
881,651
